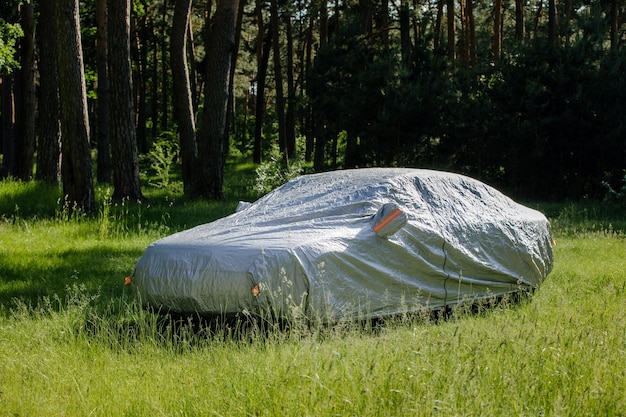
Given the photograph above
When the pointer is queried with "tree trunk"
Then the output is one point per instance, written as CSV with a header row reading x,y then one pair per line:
x,y
519,20
154,86
439,18
183,103
384,23
8,126
230,115
193,75
552,23
76,164
123,135
496,40
103,134
319,151
278,77
290,116
26,105
614,24
464,38
141,44
473,59
451,33
49,149
405,37
219,49
164,78
310,137
263,44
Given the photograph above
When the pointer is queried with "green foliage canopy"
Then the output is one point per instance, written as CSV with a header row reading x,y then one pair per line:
x,y
9,33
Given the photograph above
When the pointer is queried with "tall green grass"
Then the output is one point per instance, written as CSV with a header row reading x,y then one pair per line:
x,y
74,341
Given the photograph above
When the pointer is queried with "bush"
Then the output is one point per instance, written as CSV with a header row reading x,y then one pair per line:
x,y
276,171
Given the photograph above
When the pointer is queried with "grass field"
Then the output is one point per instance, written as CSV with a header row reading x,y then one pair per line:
x,y
74,342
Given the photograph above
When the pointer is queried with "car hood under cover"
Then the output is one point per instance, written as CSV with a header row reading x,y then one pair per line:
x,y
309,248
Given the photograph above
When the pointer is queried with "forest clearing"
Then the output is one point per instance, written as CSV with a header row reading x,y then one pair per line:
x,y
75,341
123,122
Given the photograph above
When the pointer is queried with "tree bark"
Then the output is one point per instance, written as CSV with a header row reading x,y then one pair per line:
x,y
308,123
219,49
103,134
76,164
552,23
614,24
8,126
496,40
141,45
290,116
164,78
278,77
438,19
519,20
123,135
183,103
263,44
473,59
49,149
405,37
230,115
154,86
451,33
26,105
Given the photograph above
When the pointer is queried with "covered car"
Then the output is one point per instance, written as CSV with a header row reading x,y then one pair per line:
x,y
361,243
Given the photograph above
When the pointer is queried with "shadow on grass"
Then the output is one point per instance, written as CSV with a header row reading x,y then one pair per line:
x,y
28,199
99,269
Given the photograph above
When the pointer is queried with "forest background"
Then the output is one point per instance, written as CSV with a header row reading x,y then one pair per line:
x,y
527,95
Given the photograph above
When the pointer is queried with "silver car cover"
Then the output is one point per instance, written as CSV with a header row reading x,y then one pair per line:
x,y
354,243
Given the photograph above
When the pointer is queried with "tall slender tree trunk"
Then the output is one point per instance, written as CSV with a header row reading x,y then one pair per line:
x,y
164,76
49,149
310,137
26,105
220,47
290,115
473,58
405,34
552,23
76,168
263,44
193,71
496,40
384,23
141,44
319,151
451,32
438,20
183,103
123,135
8,126
614,24
154,86
278,77
323,22
519,20
464,38
230,115
103,172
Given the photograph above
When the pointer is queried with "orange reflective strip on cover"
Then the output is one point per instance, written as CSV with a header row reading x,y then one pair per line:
x,y
384,222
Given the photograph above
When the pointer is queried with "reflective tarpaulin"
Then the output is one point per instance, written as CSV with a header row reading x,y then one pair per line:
x,y
311,247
